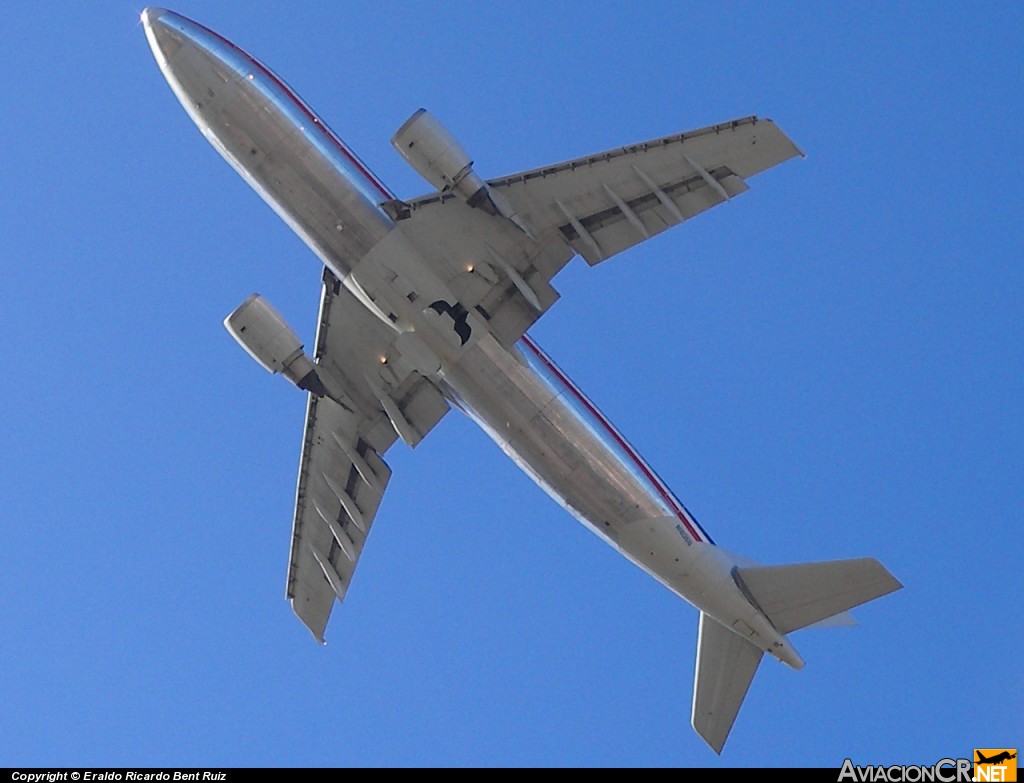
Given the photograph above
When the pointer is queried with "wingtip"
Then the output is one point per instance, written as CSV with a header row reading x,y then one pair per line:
x,y
799,151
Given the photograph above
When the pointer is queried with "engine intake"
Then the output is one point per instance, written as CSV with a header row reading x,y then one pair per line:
x,y
435,154
266,337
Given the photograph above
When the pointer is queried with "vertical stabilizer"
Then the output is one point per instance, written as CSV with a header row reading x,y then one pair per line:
x,y
726,663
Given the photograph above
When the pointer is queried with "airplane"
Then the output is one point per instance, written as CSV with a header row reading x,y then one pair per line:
x,y
996,759
425,306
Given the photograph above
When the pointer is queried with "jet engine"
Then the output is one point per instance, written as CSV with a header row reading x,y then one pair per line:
x,y
267,338
436,156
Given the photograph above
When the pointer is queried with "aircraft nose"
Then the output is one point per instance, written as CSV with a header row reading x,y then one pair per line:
x,y
165,38
150,15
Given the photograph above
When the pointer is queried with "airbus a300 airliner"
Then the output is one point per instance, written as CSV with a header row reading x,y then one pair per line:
x,y
425,306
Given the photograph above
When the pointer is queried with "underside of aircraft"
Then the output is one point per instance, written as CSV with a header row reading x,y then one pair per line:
x,y
425,306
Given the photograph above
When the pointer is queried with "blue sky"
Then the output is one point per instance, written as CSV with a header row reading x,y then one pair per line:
x,y
830,366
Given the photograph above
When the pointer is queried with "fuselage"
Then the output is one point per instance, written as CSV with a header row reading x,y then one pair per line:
x,y
516,393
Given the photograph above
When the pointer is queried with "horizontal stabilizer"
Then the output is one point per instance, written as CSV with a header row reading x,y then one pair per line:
x,y
795,596
726,664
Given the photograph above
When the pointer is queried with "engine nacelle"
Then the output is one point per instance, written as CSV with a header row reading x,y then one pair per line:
x,y
267,338
435,154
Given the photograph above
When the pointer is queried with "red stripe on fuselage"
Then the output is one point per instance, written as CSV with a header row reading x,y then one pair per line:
x,y
630,452
328,133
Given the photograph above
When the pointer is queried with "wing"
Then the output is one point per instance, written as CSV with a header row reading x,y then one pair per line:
x,y
595,206
605,203
342,474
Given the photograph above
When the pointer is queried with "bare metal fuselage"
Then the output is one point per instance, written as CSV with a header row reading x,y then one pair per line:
x,y
516,394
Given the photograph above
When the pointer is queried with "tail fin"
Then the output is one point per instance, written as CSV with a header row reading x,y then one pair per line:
x,y
726,663
795,596
791,597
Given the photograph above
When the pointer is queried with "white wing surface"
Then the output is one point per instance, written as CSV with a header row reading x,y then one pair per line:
x,y
605,203
596,206
342,476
